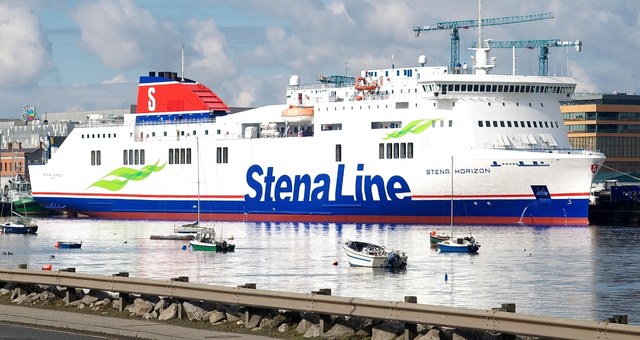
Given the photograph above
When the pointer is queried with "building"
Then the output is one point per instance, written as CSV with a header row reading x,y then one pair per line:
x,y
23,143
609,123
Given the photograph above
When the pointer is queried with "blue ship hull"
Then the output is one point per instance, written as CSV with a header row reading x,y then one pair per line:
x,y
476,211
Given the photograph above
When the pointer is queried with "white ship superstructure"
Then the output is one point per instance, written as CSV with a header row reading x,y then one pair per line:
x,y
393,145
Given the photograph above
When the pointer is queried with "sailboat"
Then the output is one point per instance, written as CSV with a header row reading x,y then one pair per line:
x,y
453,244
205,238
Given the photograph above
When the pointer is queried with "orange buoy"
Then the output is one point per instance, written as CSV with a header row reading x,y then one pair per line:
x,y
47,266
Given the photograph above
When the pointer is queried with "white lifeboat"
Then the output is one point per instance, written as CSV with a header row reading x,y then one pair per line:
x,y
363,85
298,114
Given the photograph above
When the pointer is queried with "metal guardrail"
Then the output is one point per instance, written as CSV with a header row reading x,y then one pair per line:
x,y
411,313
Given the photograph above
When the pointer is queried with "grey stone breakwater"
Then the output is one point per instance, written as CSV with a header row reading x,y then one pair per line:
x,y
274,323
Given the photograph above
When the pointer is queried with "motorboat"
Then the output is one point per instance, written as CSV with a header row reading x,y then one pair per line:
x,y
364,254
20,226
205,240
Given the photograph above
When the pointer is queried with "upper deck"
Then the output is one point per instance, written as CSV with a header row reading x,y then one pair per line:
x,y
427,82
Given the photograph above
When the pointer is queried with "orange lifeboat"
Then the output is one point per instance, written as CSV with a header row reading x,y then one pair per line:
x,y
363,85
298,114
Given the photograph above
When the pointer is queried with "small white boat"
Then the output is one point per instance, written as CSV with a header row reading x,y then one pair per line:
x,y
188,228
363,254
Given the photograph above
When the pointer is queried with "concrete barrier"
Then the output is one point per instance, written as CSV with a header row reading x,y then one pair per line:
x,y
409,311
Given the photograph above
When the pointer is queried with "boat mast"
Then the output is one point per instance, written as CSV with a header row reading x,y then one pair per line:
x,y
479,23
451,220
182,63
198,169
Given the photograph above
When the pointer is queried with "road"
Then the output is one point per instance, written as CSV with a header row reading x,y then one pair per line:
x,y
30,332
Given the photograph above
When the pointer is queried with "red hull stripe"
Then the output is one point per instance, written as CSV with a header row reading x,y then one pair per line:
x,y
236,197
303,218
568,194
229,197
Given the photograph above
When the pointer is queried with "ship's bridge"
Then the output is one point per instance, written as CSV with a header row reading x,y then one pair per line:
x,y
458,86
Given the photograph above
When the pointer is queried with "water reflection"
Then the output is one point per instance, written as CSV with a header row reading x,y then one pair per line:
x,y
577,272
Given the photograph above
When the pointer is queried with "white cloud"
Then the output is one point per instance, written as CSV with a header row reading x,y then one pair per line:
x,y
246,91
209,45
122,34
25,51
118,79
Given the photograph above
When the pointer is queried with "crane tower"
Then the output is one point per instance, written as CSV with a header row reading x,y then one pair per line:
x,y
454,26
543,66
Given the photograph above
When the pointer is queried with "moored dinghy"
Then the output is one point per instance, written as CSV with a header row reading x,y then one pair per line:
x,y
68,245
363,254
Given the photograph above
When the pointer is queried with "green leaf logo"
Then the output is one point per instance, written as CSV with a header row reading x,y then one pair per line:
x,y
417,126
118,178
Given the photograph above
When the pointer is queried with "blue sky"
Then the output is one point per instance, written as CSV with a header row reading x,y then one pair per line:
x,y
78,55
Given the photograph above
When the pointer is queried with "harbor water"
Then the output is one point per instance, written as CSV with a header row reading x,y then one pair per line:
x,y
589,273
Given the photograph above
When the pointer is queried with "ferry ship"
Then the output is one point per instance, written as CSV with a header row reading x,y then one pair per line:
x,y
415,145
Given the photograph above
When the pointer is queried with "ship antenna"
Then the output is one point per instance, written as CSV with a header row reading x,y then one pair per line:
x,y
479,23
182,63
